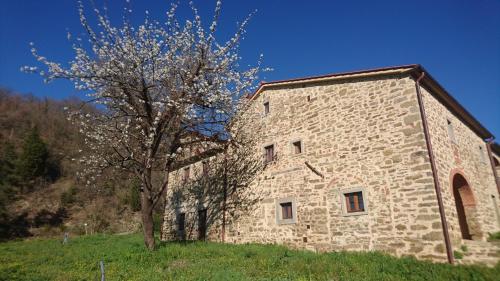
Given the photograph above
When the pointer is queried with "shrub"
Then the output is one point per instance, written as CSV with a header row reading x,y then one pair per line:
x,y
157,221
68,197
32,161
458,255
494,236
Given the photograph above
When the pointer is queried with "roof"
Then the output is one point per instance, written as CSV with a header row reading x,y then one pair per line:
x,y
413,70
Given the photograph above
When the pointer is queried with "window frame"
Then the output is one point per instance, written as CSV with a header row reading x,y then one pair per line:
x,y
204,167
186,174
343,199
265,147
300,147
286,210
279,211
267,108
181,233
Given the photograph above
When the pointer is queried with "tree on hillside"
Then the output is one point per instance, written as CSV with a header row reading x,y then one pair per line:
x,y
32,162
8,160
162,87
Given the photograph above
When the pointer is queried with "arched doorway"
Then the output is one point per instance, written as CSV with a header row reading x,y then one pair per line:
x,y
464,201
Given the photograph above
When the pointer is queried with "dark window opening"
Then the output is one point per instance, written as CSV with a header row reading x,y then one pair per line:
x,y
286,211
309,98
181,225
205,167
297,147
185,176
269,153
266,108
354,202
202,224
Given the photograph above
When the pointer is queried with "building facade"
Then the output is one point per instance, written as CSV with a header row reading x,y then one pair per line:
x,y
350,165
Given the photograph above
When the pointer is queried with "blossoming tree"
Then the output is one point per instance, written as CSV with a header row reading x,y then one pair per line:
x,y
157,85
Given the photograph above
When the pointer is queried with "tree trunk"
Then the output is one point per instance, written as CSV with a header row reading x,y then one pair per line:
x,y
147,219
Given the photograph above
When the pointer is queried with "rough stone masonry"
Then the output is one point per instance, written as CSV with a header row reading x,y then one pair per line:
x,y
350,170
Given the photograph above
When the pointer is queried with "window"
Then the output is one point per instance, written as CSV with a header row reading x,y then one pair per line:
x,y
185,176
181,225
266,108
482,155
354,202
205,167
202,224
297,147
451,131
286,211
269,153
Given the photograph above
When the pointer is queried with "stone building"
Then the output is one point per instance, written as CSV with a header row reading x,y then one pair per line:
x,y
383,159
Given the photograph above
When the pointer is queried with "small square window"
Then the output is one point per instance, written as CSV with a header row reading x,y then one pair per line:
x,y
354,202
266,108
286,211
269,153
297,147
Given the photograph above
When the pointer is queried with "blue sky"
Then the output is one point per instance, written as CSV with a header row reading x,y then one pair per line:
x,y
458,42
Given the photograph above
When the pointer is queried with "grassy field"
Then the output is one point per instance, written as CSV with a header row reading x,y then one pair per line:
x,y
126,259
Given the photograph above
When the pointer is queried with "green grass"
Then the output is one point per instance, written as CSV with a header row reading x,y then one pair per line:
x,y
125,258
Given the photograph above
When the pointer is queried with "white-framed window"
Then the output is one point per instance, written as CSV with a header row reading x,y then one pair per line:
x,y
354,201
286,211
451,131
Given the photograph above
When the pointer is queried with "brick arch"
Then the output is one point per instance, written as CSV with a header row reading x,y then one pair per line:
x,y
459,180
465,204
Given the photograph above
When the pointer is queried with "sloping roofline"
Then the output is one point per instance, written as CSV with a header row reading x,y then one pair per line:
x,y
414,70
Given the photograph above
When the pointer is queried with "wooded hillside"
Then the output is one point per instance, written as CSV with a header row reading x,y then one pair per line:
x,y
40,192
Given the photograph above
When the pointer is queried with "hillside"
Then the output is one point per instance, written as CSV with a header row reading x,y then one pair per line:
x,y
54,200
125,258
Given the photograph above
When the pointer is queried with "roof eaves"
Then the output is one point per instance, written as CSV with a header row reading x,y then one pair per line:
x,y
451,103
348,74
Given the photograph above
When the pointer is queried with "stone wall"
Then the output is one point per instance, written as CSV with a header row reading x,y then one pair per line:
x,y
357,134
461,155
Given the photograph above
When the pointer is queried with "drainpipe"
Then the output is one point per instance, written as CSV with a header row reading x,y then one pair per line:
x,y
444,224
489,142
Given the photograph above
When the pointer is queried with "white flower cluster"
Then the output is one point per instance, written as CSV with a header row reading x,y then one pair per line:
x,y
153,85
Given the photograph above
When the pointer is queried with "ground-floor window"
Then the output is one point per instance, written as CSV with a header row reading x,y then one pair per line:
x,y
286,211
353,201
